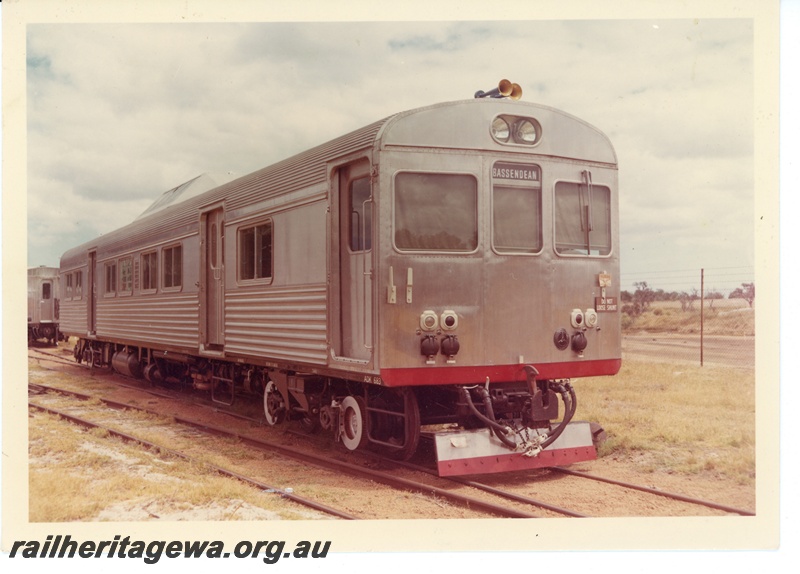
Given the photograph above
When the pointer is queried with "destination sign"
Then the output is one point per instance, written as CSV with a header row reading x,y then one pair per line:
x,y
515,171
605,304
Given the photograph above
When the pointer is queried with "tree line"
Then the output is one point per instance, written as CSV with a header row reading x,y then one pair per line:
x,y
643,296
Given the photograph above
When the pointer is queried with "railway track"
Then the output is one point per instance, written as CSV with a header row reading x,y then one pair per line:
x,y
307,502
505,495
400,483
657,492
444,491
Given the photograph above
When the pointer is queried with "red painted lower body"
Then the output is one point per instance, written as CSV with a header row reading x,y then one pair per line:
x,y
456,375
515,461
478,451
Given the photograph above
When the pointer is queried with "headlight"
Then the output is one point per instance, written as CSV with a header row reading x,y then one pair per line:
x,y
576,318
500,130
508,129
525,131
590,318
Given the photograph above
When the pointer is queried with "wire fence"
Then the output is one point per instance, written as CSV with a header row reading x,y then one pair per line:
x,y
703,316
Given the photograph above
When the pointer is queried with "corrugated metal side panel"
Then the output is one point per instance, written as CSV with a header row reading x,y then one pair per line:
x,y
287,323
72,317
169,319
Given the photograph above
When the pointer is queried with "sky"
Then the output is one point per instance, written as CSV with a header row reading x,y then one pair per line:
x,y
119,113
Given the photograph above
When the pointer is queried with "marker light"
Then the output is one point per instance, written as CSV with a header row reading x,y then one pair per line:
x,y
449,320
428,321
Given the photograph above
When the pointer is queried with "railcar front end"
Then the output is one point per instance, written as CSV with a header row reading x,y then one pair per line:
x,y
498,278
43,304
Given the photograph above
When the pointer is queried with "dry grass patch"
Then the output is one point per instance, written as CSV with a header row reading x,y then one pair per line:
x,y
723,317
80,475
669,418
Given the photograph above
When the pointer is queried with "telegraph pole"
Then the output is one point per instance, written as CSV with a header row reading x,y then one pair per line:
x,y
702,299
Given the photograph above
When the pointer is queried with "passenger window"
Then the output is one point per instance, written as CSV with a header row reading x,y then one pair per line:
x,y
78,284
111,278
173,267
126,275
255,252
149,271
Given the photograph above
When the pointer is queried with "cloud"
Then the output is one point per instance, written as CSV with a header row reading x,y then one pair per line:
x,y
119,113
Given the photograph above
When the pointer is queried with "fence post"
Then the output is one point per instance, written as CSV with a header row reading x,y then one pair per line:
x,y
702,310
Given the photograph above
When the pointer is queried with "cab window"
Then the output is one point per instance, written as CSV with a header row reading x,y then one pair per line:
x,y
436,212
582,219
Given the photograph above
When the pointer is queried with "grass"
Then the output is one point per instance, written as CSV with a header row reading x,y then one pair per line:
x,y
723,317
66,462
676,419
660,417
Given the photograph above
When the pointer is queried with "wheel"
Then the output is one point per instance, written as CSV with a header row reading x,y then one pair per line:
x,y
401,431
274,407
354,432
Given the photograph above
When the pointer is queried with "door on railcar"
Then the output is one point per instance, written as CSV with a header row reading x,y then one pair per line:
x,y
212,293
46,302
92,303
355,261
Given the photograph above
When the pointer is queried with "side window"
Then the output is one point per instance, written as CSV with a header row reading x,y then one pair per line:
x,y
360,209
255,252
111,278
78,285
149,271
68,279
172,267
126,275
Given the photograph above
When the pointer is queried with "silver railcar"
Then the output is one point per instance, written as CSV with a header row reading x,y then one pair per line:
x,y
445,270
43,304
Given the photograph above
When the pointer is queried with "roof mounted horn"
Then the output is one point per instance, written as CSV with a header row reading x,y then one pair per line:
x,y
504,89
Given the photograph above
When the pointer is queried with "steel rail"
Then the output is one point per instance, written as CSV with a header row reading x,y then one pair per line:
x,y
53,357
324,462
218,469
156,393
664,493
480,486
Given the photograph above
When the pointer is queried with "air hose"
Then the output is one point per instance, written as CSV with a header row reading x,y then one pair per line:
x,y
570,405
567,397
499,430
